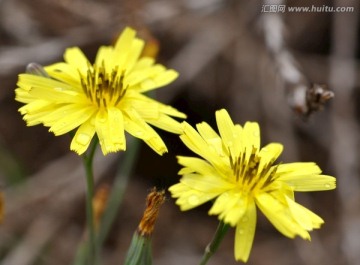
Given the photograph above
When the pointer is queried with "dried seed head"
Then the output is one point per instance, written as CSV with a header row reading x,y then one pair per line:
x,y
153,202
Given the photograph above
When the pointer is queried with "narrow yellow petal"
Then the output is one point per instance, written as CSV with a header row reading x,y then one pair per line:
x,y
196,165
230,206
122,47
226,127
298,168
251,135
245,232
206,132
110,130
148,107
116,130
166,123
137,127
212,138
61,123
82,138
56,95
65,73
269,154
143,63
159,80
76,58
142,79
209,183
279,215
36,106
306,218
134,54
102,57
304,177
30,81
189,198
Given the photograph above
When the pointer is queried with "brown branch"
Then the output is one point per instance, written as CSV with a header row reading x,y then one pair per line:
x,y
303,96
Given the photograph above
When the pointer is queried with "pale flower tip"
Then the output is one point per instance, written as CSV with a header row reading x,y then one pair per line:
x,y
77,151
240,256
162,151
220,111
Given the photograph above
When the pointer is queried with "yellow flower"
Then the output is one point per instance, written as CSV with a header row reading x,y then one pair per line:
x,y
239,176
105,98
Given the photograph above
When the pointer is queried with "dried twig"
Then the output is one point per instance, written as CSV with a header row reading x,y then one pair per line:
x,y
303,96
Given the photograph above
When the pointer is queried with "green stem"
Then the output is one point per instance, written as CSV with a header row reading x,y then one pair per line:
x,y
118,190
215,242
88,164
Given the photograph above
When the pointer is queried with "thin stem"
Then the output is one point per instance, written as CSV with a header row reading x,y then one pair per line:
x,y
215,242
88,164
118,190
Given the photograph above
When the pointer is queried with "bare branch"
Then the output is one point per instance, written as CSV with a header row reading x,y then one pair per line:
x,y
303,97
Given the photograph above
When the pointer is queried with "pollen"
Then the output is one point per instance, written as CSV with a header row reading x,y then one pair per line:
x,y
102,88
248,174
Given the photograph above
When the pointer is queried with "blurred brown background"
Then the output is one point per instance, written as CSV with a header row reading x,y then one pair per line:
x,y
258,65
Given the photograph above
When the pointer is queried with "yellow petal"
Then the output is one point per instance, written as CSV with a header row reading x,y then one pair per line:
x,y
143,63
269,154
137,127
142,79
306,218
304,177
189,198
251,136
279,215
196,165
245,232
82,138
76,58
122,46
102,58
134,54
30,81
65,73
212,138
298,168
161,78
148,107
230,206
226,127
209,183
166,123
110,130
67,118
36,106
57,95
116,129
198,145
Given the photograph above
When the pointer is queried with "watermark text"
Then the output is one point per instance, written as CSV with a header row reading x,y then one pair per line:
x,y
305,9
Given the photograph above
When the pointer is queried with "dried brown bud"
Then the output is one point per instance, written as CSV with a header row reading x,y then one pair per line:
x,y
153,202
316,97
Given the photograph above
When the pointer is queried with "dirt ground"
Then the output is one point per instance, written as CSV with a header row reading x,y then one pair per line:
x,y
229,55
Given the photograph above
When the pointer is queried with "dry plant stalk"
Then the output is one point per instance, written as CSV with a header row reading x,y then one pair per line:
x,y
304,97
153,203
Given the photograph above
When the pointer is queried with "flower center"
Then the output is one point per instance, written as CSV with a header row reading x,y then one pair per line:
x,y
250,173
102,88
